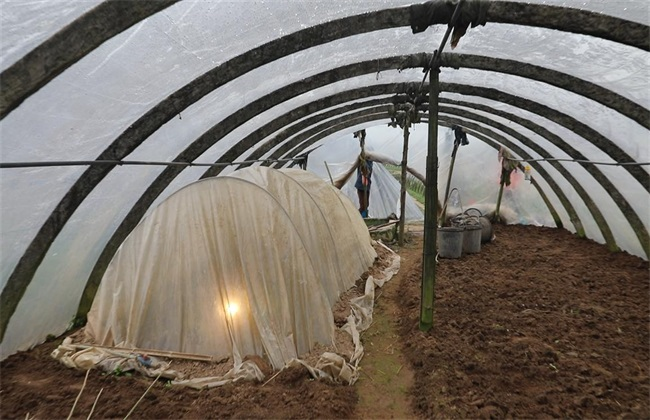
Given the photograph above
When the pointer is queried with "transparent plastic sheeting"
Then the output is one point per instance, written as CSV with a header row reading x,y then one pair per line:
x,y
81,111
26,24
476,171
230,266
607,121
337,367
384,193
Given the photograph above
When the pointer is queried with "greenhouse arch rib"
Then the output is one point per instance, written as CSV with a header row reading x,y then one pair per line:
x,y
132,219
570,20
551,114
171,172
448,122
299,143
621,202
302,141
69,45
110,18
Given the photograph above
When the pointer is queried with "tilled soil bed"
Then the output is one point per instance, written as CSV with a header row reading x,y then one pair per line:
x,y
539,324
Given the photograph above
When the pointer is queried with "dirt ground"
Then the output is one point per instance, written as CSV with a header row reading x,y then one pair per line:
x,y
538,324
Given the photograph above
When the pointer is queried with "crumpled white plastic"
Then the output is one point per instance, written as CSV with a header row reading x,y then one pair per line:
x,y
330,366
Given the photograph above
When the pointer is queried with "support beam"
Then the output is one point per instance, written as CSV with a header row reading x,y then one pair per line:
x,y
402,192
427,295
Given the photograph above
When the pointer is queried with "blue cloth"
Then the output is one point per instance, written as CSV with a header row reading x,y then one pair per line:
x,y
359,184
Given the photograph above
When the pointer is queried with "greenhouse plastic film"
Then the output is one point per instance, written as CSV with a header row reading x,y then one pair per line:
x,y
221,269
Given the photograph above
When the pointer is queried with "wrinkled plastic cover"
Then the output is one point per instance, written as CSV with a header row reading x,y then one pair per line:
x,y
221,268
333,367
331,244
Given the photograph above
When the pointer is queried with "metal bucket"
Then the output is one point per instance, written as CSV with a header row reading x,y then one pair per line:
x,y
472,239
450,242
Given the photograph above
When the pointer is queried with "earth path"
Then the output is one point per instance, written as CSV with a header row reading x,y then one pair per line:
x,y
386,375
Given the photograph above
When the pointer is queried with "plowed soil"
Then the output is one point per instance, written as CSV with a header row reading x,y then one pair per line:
x,y
538,324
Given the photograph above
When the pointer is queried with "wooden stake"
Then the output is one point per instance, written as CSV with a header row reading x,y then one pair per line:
x,y
430,208
92,410
79,395
443,216
159,353
402,194
145,393
272,377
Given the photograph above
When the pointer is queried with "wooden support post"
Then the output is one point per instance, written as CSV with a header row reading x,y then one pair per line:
x,y
402,195
496,218
430,208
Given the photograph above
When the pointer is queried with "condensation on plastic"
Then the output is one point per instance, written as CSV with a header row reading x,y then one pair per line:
x,y
220,268
24,25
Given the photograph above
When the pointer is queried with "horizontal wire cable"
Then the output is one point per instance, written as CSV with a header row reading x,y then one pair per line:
x,y
582,161
13,165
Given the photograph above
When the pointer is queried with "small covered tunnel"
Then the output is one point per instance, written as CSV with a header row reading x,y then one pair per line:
x,y
110,107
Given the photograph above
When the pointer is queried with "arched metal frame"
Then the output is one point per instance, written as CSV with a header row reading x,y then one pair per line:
x,y
492,143
299,143
334,127
570,20
304,140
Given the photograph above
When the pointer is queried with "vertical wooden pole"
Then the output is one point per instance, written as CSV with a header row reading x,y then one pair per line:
x,y
430,208
496,217
402,194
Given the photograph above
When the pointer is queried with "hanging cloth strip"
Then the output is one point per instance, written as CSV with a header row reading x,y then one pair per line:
x,y
472,12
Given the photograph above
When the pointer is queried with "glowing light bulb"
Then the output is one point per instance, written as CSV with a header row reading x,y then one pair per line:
x,y
232,309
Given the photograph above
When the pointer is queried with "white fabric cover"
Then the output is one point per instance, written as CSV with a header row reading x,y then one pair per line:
x,y
221,268
325,235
